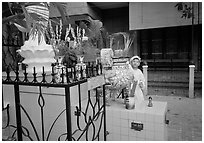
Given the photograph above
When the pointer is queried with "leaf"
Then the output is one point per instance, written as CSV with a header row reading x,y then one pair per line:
x,y
34,3
10,5
38,18
13,18
93,31
42,11
29,21
179,6
21,28
39,13
61,7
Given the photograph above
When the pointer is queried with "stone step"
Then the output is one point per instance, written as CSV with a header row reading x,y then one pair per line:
x,y
172,84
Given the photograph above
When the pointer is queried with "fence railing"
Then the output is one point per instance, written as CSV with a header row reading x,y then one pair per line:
x,y
168,64
10,44
191,68
92,113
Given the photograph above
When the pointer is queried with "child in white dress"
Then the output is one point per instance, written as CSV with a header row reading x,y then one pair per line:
x,y
139,78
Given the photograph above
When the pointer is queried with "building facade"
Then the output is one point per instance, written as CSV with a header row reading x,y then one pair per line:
x,y
161,33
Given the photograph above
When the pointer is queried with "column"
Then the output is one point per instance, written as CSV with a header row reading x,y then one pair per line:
x,y
145,66
191,81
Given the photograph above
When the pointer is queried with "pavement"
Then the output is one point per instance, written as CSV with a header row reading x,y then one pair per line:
x,y
173,79
184,114
185,117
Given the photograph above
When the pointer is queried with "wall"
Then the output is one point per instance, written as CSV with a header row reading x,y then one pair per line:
x,y
72,8
164,14
94,12
197,48
116,20
77,8
159,14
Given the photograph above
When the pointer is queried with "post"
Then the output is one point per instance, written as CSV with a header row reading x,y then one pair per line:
x,y
145,66
191,81
68,113
104,110
18,112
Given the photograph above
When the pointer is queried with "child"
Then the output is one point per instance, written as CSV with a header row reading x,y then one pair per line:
x,y
139,78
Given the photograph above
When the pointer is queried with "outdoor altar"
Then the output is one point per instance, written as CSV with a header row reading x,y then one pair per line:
x,y
136,120
57,96
140,124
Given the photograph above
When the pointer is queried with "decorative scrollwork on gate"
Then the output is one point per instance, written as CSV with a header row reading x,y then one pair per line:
x,y
91,117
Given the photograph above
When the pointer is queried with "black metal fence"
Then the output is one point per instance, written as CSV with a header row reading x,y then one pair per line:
x,y
69,79
10,43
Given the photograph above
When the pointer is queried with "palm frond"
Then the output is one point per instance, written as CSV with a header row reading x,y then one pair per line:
x,y
61,7
13,18
29,20
21,25
38,11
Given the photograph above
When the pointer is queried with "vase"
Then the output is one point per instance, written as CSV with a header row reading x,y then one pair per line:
x,y
37,54
59,60
80,66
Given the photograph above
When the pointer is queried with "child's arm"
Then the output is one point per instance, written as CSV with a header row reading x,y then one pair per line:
x,y
132,90
142,82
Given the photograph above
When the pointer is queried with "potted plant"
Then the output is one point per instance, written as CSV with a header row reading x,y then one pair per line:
x,y
33,18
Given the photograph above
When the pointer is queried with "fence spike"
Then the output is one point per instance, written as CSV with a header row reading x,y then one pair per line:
x,y
97,67
101,68
71,73
53,73
75,78
17,74
8,78
67,75
62,75
43,75
25,76
92,70
88,70
81,72
34,75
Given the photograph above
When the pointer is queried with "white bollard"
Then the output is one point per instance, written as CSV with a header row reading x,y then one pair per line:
x,y
191,81
146,79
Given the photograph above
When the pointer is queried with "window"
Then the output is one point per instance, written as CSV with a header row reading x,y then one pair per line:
x,y
166,43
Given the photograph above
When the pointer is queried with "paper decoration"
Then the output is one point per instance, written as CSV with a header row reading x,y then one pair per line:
x,y
106,57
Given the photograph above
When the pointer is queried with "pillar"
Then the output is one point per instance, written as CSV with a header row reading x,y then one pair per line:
x,y
191,81
145,66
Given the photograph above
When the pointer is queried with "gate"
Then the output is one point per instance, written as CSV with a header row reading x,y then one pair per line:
x,y
44,109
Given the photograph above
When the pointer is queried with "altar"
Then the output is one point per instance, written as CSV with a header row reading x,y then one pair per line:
x,y
140,124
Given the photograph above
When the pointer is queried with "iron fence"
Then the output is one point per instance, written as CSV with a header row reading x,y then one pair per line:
x,y
10,43
69,79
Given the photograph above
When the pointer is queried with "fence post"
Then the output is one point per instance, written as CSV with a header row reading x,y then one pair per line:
x,y
68,113
104,110
18,112
191,81
145,66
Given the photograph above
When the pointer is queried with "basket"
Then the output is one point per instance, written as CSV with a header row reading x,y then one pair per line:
x,y
120,43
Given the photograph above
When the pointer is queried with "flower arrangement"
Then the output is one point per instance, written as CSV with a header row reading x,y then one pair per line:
x,y
127,40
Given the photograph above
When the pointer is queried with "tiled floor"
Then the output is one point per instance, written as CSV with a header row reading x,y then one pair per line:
x,y
120,122
185,118
184,114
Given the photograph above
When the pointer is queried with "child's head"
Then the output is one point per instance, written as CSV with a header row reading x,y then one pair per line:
x,y
135,62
